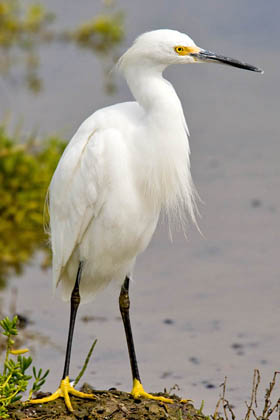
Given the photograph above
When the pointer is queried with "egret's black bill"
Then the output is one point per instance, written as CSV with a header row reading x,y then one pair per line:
x,y
212,57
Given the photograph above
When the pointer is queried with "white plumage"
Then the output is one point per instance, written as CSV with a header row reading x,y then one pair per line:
x,y
122,166
125,163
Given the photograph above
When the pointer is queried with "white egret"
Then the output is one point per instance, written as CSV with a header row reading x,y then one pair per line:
x,y
124,165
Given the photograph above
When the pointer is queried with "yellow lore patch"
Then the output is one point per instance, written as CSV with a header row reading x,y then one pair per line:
x,y
181,50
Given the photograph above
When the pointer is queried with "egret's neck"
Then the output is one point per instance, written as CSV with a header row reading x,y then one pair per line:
x,y
154,93
167,169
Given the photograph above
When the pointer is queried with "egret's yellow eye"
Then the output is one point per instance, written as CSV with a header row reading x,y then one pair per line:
x,y
181,50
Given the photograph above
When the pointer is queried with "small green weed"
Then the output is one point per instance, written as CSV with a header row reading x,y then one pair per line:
x,y
13,379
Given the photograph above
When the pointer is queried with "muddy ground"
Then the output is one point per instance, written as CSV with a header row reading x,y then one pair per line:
x,y
108,405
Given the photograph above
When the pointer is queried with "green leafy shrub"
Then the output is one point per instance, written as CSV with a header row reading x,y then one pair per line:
x,y
22,30
100,34
25,173
13,379
25,27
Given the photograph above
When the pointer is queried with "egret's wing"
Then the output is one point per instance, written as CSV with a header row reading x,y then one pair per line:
x,y
74,197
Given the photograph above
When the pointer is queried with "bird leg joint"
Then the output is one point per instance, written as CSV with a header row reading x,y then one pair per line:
x,y
124,301
75,297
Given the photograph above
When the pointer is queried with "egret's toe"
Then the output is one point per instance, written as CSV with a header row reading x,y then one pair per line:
x,y
64,390
138,392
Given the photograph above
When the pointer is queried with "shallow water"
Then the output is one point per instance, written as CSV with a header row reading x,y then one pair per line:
x,y
202,308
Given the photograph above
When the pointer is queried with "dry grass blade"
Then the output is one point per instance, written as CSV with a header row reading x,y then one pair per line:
x,y
216,412
269,406
226,404
267,410
253,400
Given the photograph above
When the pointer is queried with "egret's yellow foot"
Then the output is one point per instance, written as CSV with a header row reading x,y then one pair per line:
x,y
138,391
63,391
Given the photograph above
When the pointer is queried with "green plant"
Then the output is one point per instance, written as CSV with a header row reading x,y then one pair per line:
x,y
25,27
39,381
85,363
13,379
25,172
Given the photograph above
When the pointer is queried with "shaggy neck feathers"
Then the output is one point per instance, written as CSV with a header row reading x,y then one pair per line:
x,y
169,180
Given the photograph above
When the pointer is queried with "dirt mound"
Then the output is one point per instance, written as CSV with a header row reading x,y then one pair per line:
x,y
108,405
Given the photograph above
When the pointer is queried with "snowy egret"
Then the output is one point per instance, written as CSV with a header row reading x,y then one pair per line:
x,y
124,165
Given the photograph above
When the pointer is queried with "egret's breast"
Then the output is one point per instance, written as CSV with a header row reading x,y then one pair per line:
x,y
122,230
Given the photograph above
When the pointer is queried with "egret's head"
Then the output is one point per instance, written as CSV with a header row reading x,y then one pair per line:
x,y
163,47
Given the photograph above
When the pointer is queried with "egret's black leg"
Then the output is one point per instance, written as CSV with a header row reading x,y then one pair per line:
x,y
66,389
124,308
75,301
137,389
